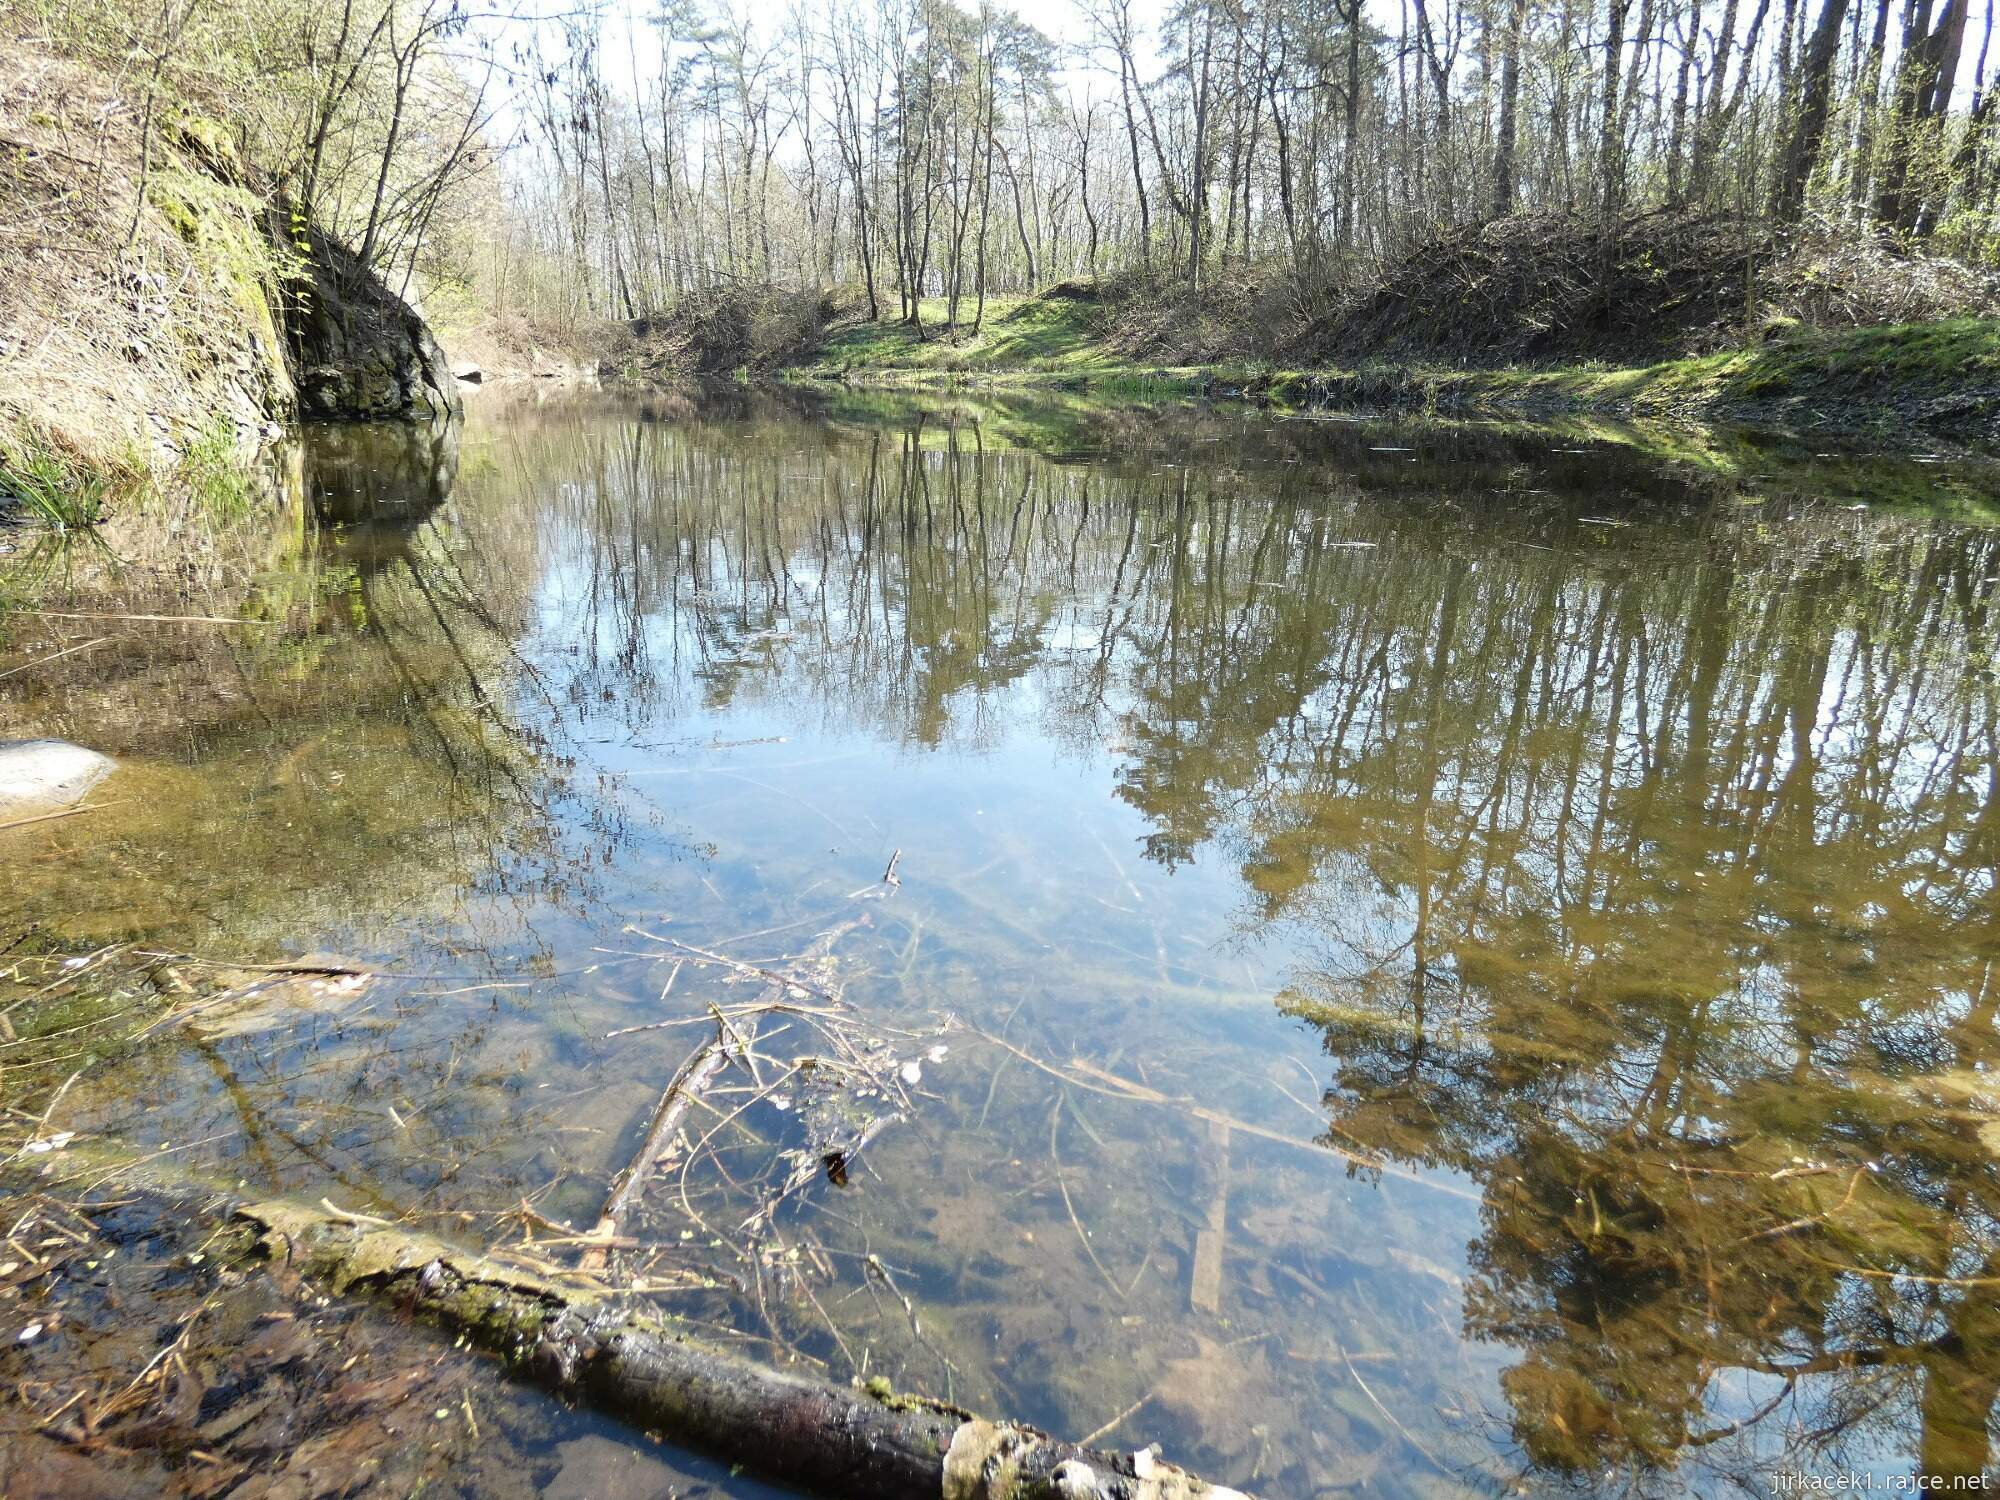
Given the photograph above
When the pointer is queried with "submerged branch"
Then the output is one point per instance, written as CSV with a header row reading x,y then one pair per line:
x,y
694,1076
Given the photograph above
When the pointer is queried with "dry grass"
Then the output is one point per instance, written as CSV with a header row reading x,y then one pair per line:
x,y
1240,313
1840,277
1542,286
723,330
512,345
127,333
1546,287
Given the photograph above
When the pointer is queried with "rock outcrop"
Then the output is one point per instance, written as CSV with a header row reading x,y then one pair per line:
x,y
137,323
358,351
162,311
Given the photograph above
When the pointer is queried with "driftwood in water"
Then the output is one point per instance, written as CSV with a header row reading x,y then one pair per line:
x,y
810,1432
694,1076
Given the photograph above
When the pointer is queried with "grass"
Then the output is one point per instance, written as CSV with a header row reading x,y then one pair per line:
x,y
67,493
1859,378
61,493
66,498
1019,335
1025,342
1939,360
1937,376
213,474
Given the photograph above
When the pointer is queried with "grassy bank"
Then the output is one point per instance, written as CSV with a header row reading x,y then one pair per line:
x,y
1916,378
1920,378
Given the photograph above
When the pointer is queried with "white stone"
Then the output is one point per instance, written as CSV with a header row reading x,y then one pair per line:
x,y
48,774
1076,1480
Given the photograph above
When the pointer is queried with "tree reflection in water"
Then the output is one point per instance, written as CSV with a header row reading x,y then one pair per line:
x,y
1650,853
1623,832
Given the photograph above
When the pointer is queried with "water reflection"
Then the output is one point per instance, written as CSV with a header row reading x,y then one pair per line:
x,y
329,739
1681,947
1593,854
1649,854
374,488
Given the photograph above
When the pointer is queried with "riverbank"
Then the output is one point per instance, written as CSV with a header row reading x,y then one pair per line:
x,y
168,310
1902,382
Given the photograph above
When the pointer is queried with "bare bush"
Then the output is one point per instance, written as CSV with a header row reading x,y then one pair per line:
x,y
731,328
1840,277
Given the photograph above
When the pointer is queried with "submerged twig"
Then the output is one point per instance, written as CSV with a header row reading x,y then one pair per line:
x,y
1083,1075
1082,1235
694,1075
1113,1425
773,976
52,656
1369,1391
68,812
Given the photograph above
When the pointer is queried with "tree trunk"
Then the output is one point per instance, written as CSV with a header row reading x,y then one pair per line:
x,y
985,197
1611,134
1510,95
1867,103
1138,171
1815,97
1895,206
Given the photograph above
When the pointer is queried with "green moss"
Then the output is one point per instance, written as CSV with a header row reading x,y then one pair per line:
x,y
223,227
879,1390
1859,379
1898,364
208,138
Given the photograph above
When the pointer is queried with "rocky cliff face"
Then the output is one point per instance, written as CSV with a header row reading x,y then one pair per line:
x,y
357,351
165,315
136,309
151,320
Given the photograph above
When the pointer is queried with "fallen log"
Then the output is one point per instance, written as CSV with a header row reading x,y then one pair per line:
x,y
834,1439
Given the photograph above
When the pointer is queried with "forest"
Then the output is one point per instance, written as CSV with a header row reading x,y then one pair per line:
x,y
578,164
1355,850
931,149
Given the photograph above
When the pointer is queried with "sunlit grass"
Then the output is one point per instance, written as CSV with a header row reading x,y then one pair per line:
x,y
213,471
56,491
1044,335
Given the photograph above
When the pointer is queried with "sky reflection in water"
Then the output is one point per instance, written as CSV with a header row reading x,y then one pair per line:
x,y
1527,906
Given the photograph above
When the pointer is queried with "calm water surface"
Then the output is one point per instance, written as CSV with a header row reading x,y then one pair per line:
x,y
1463,961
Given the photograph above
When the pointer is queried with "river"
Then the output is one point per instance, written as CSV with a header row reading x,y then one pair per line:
x,y
1419,959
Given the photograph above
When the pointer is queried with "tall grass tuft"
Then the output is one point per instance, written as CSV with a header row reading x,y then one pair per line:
x,y
60,493
216,475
